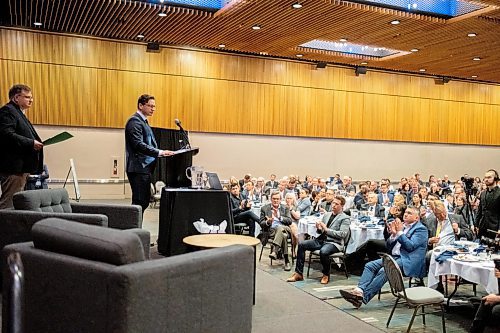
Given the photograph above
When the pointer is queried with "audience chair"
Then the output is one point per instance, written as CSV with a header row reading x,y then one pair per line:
x,y
416,297
84,278
265,241
342,256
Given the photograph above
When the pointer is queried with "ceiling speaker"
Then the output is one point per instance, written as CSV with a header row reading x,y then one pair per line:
x,y
321,65
441,80
153,47
360,70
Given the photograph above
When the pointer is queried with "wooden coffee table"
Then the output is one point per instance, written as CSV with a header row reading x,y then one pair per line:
x,y
210,241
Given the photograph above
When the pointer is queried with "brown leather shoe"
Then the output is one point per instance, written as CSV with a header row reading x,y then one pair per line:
x,y
295,277
325,279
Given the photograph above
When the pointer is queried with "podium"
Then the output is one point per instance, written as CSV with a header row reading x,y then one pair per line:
x,y
176,167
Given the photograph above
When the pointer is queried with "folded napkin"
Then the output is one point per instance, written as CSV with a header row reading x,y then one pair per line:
x,y
381,222
462,248
479,249
445,256
364,219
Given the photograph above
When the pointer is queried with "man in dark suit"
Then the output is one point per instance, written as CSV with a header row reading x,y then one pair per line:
x,y
142,151
240,207
21,148
407,245
488,213
275,220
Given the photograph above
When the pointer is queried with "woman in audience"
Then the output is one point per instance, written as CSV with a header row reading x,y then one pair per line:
x,y
435,189
416,200
317,201
304,203
399,199
462,209
291,204
405,190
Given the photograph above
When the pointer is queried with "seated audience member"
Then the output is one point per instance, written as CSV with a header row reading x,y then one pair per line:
x,y
275,221
361,196
373,186
315,185
37,182
291,204
449,202
259,188
346,185
304,203
423,193
322,183
326,205
241,209
333,231
464,210
399,199
291,187
405,190
246,179
272,182
384,197
416,201
249,193
282,187
407,244
316,198
488,312
434,188
373,207
307,183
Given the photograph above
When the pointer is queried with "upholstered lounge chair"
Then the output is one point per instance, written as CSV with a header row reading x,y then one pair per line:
x,y
83,278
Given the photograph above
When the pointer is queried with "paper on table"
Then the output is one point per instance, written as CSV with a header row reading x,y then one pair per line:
x,y
63,136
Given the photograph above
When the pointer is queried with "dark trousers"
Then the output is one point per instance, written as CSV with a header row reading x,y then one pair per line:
x,y
141,189
249,218
325,249
484,314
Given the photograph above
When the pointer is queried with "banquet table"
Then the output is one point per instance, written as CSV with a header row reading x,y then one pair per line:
x,y
359,233
479,272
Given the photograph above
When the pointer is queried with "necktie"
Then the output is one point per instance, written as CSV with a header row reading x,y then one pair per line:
x,y
438,229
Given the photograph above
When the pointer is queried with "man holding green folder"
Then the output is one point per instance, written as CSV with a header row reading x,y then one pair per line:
x,y
21,149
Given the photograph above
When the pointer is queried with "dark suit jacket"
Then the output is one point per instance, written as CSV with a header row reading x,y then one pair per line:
x,y
16,143
488,213
266,211
430,222
141,146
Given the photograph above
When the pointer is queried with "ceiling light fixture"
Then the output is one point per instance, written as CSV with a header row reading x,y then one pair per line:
x,y
395,22
297,5
37,24
162,14
422,70
256,27
471,34
343,40
364,63
140,36
476,58
473,76
414,50
222,46
299,55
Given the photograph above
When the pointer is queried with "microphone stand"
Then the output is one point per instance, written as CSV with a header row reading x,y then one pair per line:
x,y
185,137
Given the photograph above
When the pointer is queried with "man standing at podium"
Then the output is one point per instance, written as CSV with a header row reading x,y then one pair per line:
x,y
142,151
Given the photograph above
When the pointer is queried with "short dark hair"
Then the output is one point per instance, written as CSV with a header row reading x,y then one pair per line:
x,y
341,199
17,89
233,185
144,99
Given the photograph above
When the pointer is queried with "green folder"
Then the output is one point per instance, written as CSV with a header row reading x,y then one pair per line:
x,y
63,136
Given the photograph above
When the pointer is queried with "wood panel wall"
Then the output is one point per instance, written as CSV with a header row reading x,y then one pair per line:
x,y
79,81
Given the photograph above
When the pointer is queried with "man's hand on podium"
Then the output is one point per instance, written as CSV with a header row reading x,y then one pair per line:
x,y
166,153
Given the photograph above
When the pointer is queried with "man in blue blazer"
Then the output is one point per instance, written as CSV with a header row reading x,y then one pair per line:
x,y
407,245
142,151
385,198
21,148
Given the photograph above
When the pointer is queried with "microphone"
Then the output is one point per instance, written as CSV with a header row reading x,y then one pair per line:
x,y
183,133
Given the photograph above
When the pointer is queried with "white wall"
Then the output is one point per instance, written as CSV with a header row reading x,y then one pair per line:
x,y
230,154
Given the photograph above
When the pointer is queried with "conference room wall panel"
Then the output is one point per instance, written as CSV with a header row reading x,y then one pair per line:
x,y
80,81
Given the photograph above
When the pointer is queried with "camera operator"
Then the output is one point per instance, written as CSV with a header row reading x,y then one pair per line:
x,y
488,214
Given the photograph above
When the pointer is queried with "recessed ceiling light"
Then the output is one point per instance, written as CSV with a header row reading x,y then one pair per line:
x,y
299,55
343,40
395,22
256,27
364,63
140,36
263,53
422,70
162,14
476,58
222,46
37,24
471,34
414,50
473,76
297,5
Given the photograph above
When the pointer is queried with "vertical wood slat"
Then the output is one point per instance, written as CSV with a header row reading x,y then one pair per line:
x,y
88,82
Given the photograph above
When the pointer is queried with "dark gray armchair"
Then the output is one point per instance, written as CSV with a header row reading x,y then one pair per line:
x,y
82,278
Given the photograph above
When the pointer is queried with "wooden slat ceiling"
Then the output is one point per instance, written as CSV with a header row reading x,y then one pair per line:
x,y
444,48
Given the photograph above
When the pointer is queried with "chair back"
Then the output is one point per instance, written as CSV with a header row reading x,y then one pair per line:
x,y
159,185
394,275
346,242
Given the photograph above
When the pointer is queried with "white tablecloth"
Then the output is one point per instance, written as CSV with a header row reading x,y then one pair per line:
x,y
482,273
359,235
